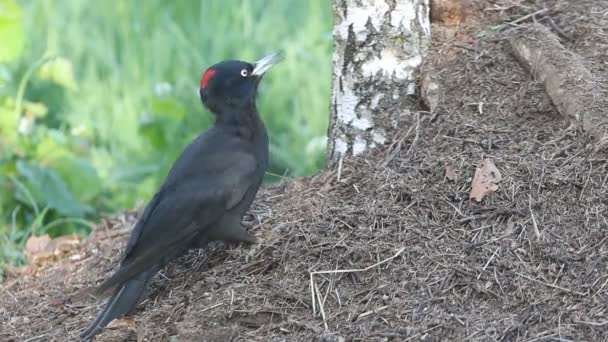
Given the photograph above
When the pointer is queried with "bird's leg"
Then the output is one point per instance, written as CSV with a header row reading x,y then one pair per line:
x,y
230,229
237,233
201,241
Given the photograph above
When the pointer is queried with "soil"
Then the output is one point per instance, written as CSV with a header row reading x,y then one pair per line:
x,y
411,257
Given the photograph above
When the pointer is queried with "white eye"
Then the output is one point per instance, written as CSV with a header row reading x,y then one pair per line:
x,y
244,73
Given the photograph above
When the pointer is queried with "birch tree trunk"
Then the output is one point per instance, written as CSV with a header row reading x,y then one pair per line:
x,y
378,46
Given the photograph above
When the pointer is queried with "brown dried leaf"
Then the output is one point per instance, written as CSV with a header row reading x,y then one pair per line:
x,y
450,12
451,172
120,323
40,249
66,243
485,181
36,245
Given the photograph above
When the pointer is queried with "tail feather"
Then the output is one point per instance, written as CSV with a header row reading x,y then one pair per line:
x,y
124,300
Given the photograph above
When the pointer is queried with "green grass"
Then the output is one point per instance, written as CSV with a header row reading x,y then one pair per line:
x,y
137,66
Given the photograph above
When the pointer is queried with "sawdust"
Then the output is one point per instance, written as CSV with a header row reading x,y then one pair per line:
x,y
399,251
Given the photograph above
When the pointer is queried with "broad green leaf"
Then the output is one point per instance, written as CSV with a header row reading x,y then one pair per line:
x,y
50,190
6,191
79,174
9,120
154,132
12,36
7,167
8,126
168,106
51,148
81,177
60,71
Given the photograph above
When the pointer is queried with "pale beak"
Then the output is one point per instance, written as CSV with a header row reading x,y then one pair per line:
x,y
264,64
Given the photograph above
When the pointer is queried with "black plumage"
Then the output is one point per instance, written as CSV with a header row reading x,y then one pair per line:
x,y
207,191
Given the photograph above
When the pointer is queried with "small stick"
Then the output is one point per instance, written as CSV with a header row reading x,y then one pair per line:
x,y
212,307
527,16
500,27
340,168
312,294
594,324
556,28
417,130
359,269
551,285
35,338
534,224
488,263
367,313
321,308
601,288
338,298
315,290
395,147
462,46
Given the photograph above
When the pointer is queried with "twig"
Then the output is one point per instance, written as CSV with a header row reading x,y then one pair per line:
x,y
519,20
528,16
534,223
601,288
312,295
594,324
321,307
551,285
556,28
367,313
395,147
213,306
417,130
6,290
489,261
359,269
35,338
580,197
464,47
581,151
424,332
340,161
314,290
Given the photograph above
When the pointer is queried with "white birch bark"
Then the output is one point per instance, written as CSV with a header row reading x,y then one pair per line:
x,y
378,47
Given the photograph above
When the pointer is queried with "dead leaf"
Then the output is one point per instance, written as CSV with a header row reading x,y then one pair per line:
x,y
141,334
57,303
41,249
37,245
450,12
451,172
485,181
120,323
67,243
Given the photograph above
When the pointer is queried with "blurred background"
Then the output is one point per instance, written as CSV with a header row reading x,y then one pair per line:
x,y
97,99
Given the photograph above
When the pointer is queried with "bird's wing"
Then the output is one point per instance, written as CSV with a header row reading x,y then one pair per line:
x,y
139,226
185,210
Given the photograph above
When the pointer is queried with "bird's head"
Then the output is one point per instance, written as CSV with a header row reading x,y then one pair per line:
x,y
232,85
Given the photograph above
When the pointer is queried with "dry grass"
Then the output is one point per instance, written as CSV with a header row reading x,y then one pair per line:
x,y
386,247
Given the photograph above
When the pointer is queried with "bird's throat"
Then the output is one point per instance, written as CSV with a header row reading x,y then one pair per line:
x,y
244,121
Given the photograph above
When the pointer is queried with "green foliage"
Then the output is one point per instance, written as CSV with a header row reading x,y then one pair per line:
x,y
59,70
96,102
11,30
46,186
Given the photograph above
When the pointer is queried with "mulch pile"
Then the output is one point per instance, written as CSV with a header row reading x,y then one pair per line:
x,y
411,257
